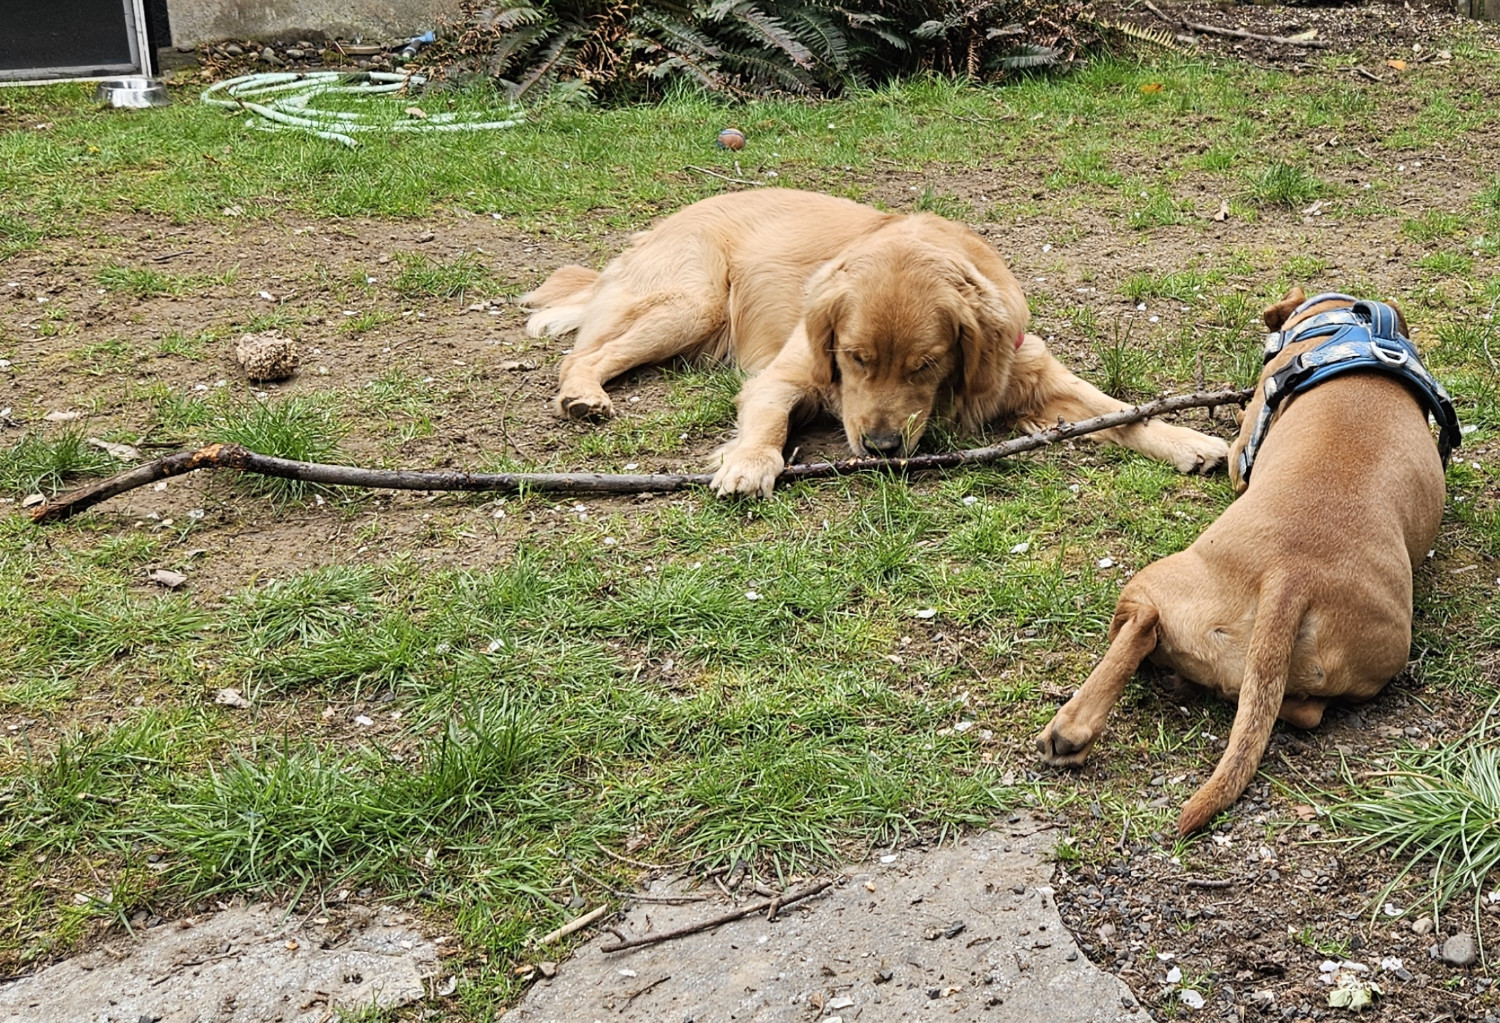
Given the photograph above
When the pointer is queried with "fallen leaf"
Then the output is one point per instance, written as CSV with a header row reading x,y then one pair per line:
x,y
32,500
231,698
417,112
124,452
1396,65
1300,37
1151,87
1305,812
1191,998
168,578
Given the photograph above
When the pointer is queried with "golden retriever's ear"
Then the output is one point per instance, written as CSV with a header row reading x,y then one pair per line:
x,y
1276,315
825,298
991,320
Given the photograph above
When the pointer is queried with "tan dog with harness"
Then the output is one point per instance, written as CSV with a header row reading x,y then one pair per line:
x,y
1302,590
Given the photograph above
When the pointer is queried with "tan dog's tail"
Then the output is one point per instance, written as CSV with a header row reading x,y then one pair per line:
x,y
1269,659
560,301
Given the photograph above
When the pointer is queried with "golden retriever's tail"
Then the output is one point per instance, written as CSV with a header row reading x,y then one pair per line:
x,y
1267,662
560,301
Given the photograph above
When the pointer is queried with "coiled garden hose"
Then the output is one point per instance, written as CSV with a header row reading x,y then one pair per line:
x,y
283,100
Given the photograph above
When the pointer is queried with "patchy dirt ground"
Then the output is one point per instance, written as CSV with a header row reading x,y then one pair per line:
x,y
1281,35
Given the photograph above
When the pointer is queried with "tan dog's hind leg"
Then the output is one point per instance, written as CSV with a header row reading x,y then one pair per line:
x,y
1278,617
1067,739
1056,393
643,330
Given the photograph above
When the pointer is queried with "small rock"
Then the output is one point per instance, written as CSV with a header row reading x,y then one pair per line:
x,y
32,500
268,355
168,578
1460,950
1263,1000
883,976
426,236
268,54
548,969
231,698
295,54
61,417
956,928
234,50
841,1003
1422,925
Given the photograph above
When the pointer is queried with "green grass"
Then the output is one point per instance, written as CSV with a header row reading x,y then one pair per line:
x,y
423,277
144,282
304,429
37,462
1434,810
1285,184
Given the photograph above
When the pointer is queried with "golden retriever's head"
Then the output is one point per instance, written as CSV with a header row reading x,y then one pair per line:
x,y
902,326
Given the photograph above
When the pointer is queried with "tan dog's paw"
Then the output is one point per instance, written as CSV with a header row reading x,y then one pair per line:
x,y
591,405
1064,743
749,471
1197,452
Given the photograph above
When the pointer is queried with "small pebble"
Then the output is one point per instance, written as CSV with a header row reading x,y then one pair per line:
x,y
1460,950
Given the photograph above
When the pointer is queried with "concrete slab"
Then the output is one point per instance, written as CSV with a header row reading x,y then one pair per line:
x,y
206,21
961,932
239,966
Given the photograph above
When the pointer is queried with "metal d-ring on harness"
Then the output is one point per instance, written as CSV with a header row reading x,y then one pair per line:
x,y
1365,336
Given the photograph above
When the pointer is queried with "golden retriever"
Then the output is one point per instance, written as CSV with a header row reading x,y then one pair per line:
x,y
883,319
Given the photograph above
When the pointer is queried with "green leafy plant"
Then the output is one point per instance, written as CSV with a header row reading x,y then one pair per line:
x,y
581,49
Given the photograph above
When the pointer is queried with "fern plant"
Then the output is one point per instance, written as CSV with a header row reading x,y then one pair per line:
x,y
563,50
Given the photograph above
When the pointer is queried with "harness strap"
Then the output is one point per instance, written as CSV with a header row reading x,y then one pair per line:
x,y
1364,337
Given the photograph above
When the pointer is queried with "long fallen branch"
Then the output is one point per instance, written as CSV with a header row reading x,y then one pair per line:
x,y
233,456
1240,33
1234,33
772,905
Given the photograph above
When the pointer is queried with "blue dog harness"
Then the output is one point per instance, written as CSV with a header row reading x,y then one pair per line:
x,y
1364,337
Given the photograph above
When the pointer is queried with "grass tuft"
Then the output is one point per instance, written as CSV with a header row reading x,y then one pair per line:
x,y
1438,808
1285,184
304,429
421,276
35,463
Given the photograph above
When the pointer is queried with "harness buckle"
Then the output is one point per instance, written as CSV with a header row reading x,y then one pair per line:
x,y
1391,357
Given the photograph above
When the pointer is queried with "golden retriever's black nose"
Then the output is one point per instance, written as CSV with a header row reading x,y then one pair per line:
x,y
882,443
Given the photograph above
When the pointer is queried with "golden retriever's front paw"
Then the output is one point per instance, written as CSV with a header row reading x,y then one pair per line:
x,y
1063,743
749,471
1198,452
594,404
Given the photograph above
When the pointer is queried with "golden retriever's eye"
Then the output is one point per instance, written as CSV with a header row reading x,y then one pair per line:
x,y
857,359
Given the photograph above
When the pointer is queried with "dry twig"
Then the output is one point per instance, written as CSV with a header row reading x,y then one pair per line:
x,y
778,902
724,177
573,925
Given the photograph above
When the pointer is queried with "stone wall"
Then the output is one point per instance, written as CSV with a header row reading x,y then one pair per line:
x,y
201,21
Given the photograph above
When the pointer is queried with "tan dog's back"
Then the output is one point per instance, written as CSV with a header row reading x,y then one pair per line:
x,y
1300,592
